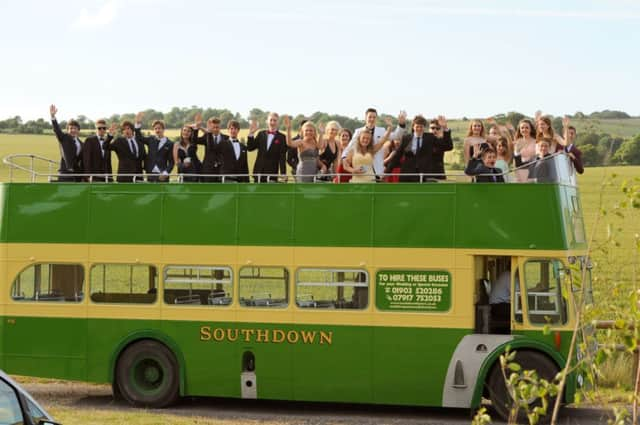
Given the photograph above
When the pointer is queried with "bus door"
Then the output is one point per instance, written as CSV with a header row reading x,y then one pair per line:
x,y
540,294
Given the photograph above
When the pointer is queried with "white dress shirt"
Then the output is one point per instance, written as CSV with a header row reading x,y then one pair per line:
x,y
378,132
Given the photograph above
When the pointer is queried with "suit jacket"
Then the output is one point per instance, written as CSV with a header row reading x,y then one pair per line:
x,y
231,165
269,161
544,171
211,162
93,160
483,174
577,161
161,157
70,159
429,159
128,163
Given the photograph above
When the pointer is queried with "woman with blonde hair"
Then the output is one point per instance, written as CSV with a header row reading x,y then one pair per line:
x,y
308,151
359,160
475,138
329,146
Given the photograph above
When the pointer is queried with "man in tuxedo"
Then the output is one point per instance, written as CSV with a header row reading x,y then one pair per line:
x,y
130,154
371,115
572,150
95,157
158,162
423,152
233,155
483,166
272,150
70,148
211,163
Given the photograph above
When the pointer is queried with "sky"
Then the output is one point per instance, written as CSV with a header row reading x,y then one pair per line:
x,y
459,58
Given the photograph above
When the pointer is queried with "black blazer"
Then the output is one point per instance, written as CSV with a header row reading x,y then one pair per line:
x,y
162,158
128,163
475,167
70,159
429,159
93,160
269,161
544,170
229,163
211,163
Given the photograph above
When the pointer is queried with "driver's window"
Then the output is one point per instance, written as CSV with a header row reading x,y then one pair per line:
x,y
543,282
10,412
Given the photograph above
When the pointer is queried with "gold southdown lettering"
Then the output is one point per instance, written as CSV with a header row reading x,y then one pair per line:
x,y
265,336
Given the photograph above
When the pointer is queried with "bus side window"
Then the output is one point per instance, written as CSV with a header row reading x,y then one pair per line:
x,y
123,284
49,283
543,282
198,285
263,286
332,288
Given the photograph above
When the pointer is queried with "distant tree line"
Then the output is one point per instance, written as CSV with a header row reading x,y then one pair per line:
x,y
598,148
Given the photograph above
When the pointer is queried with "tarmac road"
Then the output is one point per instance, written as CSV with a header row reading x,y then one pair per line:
x,y
92,397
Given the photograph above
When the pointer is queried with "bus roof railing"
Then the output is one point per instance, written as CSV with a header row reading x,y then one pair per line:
x,y
39,169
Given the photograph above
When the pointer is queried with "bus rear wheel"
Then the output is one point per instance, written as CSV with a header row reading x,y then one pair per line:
x,y
147,375
500,399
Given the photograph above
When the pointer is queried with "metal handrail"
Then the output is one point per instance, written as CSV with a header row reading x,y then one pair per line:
x,y
34,174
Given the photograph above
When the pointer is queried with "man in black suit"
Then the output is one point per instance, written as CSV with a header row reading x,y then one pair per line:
x,y
130,154
571,149
70,148
422,153
233,156
211,164
95,157
483,166
159,160
272,150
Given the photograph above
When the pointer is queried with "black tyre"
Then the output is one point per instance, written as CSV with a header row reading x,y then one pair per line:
x,y
497,389
147,375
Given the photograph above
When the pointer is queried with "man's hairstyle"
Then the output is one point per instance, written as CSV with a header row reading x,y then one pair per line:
x,y
233,124
126,124
214,120
434,121
572,128
101,123
371,110
420,120
73,123
487,151
158,122
547,140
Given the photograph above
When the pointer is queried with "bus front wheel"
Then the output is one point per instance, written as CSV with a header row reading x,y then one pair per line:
x,y
147,375
500,399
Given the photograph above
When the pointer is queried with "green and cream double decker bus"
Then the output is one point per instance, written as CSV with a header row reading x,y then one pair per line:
x,y
359,293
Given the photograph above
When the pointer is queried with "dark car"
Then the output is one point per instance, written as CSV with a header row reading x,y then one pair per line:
x,y
17,407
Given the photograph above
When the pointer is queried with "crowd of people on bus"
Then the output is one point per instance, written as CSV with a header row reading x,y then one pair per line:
x,y
402,153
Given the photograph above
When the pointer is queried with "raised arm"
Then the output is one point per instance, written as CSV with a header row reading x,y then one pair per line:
x,y
385,137
252,143
445,143
402,123
56,127
287,123
138,128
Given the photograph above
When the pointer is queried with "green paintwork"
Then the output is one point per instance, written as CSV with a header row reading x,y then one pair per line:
x,y
456,215
362,364
534,341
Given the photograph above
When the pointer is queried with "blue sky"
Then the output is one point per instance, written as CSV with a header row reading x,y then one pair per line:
x,y
458,58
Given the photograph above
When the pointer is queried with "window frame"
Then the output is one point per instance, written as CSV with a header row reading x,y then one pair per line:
x,y
131,265
166,280
287,278
297,284
36,299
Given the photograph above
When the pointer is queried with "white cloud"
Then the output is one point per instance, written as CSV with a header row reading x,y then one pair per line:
x,y
100,19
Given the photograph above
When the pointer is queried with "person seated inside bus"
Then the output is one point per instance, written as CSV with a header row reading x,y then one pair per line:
x,y
483,166
500,304
544,168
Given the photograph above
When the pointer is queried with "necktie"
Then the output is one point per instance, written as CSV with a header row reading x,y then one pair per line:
x,y
418,144
272,132
134,148
101,141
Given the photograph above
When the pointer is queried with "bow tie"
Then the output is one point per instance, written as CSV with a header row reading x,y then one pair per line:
x,y
272,132
234,141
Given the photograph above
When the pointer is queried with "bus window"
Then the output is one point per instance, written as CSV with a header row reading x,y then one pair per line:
x,y
198,285
49,282
123,284
543,282
332,288
264,286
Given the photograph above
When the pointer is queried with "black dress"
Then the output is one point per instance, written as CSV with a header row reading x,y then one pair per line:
x,y
191,152
328,158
